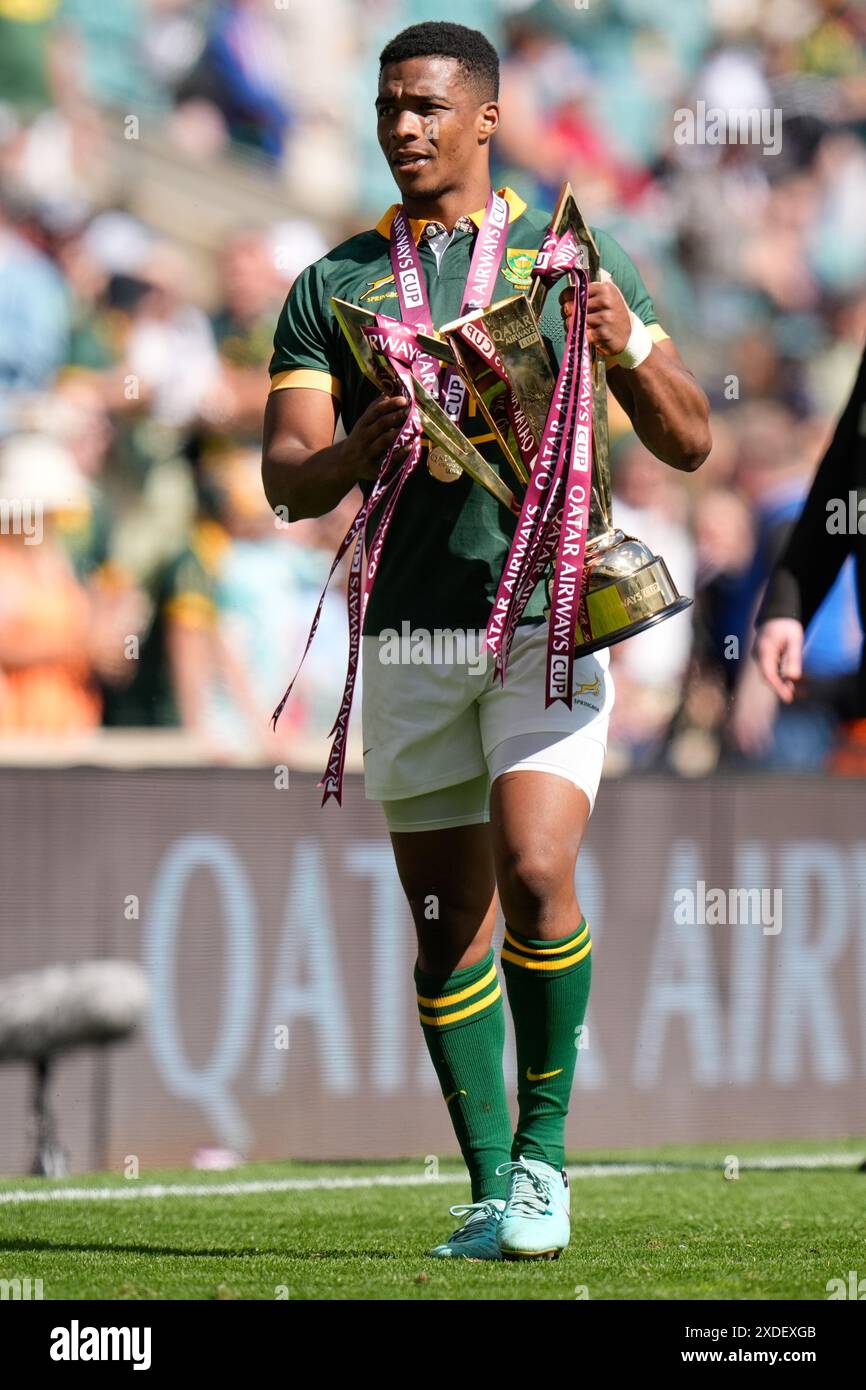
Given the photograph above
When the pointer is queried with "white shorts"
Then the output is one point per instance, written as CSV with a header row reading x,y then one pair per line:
x,y
437,734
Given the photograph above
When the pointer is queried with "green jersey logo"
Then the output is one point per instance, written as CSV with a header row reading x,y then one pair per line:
x,y
518,267
377,285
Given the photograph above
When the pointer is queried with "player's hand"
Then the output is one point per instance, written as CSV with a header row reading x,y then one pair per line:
x,y
779,654
608,325
374,433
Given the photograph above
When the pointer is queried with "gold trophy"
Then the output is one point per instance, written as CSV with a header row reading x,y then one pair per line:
x,y
626,588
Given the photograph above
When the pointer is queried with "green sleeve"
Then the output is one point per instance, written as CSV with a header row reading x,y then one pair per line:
x,y
304,339
626,277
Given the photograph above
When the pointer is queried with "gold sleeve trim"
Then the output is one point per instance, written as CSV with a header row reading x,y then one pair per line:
x,y
310,379
191,610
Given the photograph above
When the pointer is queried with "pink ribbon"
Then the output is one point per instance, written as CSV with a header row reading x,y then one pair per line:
x,y
555,512
480,282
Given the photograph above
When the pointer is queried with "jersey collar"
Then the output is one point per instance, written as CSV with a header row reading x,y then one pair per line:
x,y
515,203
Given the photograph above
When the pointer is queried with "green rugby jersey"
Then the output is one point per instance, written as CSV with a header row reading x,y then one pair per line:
x,y
448,542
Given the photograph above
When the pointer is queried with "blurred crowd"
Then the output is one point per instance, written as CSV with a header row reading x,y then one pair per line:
x,y
139,290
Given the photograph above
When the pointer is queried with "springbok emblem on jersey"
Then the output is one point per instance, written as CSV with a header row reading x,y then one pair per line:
x,y
377,285
589,687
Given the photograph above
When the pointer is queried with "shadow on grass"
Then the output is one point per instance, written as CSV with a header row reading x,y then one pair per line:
x,y
281,1252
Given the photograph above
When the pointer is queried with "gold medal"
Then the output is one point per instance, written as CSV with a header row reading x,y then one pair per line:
x,y
442,467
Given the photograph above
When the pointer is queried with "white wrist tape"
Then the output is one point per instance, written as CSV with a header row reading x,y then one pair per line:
x,y
638,347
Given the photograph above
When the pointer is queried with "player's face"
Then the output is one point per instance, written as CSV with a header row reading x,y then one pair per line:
x,y
431,126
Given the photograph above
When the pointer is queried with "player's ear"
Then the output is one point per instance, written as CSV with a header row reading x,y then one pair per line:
x,y
488,120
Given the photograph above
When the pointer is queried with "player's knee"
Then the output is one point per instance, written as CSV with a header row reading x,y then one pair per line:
x,y
458,913
451,935
533,881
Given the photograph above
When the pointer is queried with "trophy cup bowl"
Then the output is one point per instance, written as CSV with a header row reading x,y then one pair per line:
x,y
627,589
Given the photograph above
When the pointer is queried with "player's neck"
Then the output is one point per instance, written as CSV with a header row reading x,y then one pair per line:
x,y
454,204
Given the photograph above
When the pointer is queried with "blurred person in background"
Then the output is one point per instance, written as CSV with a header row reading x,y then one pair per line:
x,y
73,413
250,287
649,669
724,536
269,579
76,415
774,474
133,324
97,250
27,32
243,74
34,319
47,669
166,329
830,532
224,614
548,134
178,647
257,269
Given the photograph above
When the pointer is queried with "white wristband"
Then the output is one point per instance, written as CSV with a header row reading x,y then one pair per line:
x,y
638,347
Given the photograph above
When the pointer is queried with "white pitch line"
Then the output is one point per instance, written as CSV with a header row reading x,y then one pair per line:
x,y
133,1191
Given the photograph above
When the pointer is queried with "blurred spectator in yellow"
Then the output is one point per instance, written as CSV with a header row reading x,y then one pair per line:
x,y
26,34
47,679
173,658
269,584
227,618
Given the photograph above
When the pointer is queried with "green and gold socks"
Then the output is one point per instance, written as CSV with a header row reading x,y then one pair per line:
x,y
463,1022
548,990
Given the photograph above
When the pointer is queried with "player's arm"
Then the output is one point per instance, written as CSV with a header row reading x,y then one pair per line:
x,y
303,469
661,397
646,374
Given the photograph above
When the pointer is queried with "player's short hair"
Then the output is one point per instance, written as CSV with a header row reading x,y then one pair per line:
x,y
475,54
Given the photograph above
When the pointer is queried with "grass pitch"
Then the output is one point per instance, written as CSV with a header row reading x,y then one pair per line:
x,y
684,1232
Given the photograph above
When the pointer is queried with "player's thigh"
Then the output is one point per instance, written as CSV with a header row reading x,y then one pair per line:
x,y
545,765
537,823
450,885
421,729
